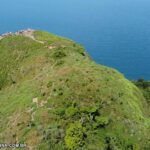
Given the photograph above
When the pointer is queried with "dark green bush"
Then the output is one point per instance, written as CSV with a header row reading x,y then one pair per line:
x,y
59,54
60,62
143,84
81,51
60,111
113,143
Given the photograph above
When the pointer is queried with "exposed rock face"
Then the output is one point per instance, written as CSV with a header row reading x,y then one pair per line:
x,y
27,32
6,35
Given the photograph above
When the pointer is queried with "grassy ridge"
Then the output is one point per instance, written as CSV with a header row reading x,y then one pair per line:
x,y
53,96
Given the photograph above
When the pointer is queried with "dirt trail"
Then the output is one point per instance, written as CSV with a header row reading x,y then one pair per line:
x,y
28,33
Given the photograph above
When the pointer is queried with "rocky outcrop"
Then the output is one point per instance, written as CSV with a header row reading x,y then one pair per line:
x,y
27,32
6,35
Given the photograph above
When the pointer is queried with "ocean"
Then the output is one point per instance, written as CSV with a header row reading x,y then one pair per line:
x,y
115,33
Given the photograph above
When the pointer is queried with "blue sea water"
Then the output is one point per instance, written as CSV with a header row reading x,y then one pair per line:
x,y
115,33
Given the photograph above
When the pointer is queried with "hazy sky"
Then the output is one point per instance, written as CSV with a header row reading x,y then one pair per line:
x,y
35,12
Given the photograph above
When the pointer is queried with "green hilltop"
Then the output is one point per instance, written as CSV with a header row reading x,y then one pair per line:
x,y
54,97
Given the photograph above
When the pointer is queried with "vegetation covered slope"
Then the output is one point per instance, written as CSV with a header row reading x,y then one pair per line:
x,y
54,97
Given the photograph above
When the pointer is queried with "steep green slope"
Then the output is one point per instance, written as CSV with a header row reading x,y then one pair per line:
x,y
54,97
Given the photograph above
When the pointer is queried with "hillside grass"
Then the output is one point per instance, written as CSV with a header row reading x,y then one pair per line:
x,y
81,105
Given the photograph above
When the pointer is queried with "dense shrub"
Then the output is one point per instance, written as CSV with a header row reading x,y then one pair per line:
x,y
147,145
60,62
81,51
59,54
143,84
92,110
101,121
75,135
60,111
71,111
113,143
